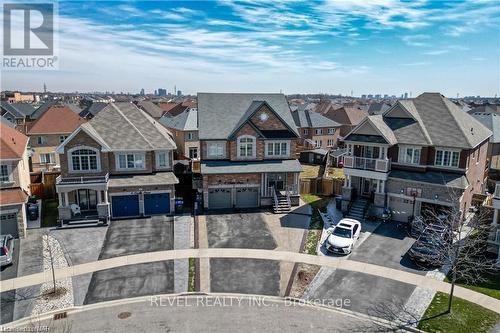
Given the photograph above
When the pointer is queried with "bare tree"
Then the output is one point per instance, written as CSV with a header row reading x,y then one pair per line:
x,y
456,241
49,255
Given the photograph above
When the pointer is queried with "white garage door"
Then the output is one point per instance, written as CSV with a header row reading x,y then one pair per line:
x,y
401,208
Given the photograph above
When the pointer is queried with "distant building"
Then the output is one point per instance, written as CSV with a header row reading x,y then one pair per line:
x,y
179,93
162,92
406,95
17,97
142,92
363,96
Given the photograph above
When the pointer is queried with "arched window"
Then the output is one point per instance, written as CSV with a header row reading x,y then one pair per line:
x,y
84,159
246,146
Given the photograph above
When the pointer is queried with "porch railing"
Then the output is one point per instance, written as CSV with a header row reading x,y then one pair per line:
x,y
364,163
275,197
82,180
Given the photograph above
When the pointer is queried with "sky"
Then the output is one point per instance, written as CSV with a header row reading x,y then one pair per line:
x,y
337,47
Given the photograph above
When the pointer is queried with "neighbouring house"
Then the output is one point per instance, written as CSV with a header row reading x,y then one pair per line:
x,y
151,108
316,131
44,107
485,108
172,108
378,108
420,155
184,128
17,113
91,110
492,121
348,116
14,181
119,164
48,132
248,151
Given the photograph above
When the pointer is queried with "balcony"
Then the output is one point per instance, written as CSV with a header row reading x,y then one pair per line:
x,y
371,164
82,180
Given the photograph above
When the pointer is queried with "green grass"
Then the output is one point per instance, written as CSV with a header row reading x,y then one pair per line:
x,y
316,226
466,317
49,213
192,267
490,287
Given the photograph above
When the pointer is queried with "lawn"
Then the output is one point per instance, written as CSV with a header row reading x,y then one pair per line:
x,y
335,172
316,226
309,171
466,317
192,267
490,287
49,213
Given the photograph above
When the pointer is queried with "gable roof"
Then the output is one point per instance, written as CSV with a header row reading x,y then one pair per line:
x,y
122,126
220,114
307,118
12,142
42,109
57,119
186,121
93,109
492,122
18,110
151,108
378,108
347,115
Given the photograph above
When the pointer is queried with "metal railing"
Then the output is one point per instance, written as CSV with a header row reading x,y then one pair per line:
x,y
365,163
82,180
275,197
497,191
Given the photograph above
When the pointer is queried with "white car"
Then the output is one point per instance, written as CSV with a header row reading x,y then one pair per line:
x,y
343,236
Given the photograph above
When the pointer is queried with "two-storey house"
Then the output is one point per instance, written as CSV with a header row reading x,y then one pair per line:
x,y
14,181
316,131
348,116
421,154
119,164
184,128
48,132
248,148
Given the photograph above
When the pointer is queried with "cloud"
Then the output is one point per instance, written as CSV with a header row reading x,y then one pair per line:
x,y
436,52
417,63
416,40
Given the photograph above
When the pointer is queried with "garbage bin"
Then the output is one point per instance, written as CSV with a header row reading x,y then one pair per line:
x,y
338,203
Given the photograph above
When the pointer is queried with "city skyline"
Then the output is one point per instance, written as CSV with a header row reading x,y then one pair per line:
x,y
373,47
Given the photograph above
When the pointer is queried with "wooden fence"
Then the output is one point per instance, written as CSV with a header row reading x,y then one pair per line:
x,y
43,184
321,186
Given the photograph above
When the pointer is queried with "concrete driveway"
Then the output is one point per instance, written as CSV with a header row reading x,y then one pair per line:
x,y
253,230
7,299
125,237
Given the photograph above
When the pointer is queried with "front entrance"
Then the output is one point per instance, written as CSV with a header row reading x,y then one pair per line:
x,y
87,200
367,186
276,180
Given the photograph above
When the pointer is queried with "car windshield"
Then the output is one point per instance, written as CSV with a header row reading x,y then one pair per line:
x,y
341,232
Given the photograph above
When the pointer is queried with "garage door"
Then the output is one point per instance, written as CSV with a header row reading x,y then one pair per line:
x,y
219,198
8,224
156,203
125,205
401,208
247,197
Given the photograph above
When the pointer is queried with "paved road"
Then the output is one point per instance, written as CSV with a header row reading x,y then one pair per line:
x,y
126,237
247,276
214,314
7,299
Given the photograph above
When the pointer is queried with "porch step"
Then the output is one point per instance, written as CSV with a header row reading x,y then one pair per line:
x,y
81,224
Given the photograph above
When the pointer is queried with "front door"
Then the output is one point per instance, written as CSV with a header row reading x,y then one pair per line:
x,y
87,199
276,180
365,186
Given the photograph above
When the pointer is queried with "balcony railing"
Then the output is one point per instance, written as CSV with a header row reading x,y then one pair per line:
x,y
81,180
497,191
364,163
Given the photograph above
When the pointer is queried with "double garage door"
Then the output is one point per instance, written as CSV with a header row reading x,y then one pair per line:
x,y
401,208
128,205
238,197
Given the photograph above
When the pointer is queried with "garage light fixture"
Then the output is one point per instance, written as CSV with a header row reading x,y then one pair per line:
x,y
436,197
402,190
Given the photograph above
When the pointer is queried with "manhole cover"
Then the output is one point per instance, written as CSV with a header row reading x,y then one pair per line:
x,y
124,315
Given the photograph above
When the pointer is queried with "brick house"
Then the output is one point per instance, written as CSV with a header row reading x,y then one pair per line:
x,y
348,116
316,131
248,147
419,155
48,132
14,181
184,128
117,165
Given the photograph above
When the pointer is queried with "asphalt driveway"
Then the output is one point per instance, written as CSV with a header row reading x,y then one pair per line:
x,y
126,237
249,276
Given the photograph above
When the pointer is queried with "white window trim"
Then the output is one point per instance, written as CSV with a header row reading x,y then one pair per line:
x,y
222,143
51,160
70,160
117,160
331,131
306,131
280,142
451,150
318,131
41,140
9,174
330,145
254,148
157,159
402,154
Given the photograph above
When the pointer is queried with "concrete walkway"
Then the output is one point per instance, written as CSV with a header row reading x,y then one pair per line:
x,y
348,265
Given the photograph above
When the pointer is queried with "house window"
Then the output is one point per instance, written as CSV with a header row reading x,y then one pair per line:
x,y
318,143
409,155
84,159
246,146
277,149
47,158
318,131
330,142
190,136
193,152
447,158
62,138
331,131
216,149
162,159
131,161
4,173
41,140
306,131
